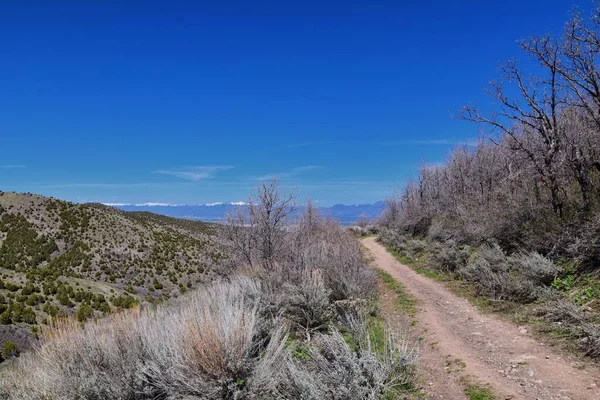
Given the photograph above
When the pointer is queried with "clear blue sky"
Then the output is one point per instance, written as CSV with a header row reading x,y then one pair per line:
x,y
194,102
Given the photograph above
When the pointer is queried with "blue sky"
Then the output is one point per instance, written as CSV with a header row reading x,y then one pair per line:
x,y
194,102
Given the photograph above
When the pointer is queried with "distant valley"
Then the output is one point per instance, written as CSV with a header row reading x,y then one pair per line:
x,y
216,212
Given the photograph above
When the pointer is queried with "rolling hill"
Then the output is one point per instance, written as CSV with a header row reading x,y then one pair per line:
x,y
61,258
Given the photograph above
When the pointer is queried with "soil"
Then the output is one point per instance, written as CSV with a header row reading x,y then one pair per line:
x,y
460,341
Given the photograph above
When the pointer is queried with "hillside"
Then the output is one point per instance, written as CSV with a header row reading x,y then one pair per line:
x,y
63,258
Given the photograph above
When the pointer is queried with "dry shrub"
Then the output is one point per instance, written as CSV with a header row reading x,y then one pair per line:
x,y
582,243
307,304
448,256
97,362
323,244
439,231
393,238
361,231
264,236
489,272
334,370
569,316
208,344
535,267
520,277
405,244
200,346
206,347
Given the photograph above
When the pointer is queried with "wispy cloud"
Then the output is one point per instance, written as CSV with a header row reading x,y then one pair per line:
x,y
105,185
432,142
194,173
289,174
12,166
310,144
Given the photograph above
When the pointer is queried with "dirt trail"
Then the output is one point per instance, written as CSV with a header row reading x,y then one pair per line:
x,y
458,337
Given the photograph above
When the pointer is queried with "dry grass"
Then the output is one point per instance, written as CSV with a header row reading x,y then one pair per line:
x,y
199,344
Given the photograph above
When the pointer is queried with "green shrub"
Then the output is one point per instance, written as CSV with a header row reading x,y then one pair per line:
x,y
5,318
9,350
125,301
50,309
84,312
28,316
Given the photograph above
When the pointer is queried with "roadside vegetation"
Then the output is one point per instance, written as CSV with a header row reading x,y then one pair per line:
x,y
517,214
293,316
405,303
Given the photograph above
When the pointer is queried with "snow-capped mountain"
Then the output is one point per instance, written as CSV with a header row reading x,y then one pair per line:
x,y
346,214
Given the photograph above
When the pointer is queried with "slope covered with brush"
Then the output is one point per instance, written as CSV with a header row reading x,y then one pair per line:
x,y
59,258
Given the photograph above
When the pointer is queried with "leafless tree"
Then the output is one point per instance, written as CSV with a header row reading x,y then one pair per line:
x,y
268,211
537,178
237,233
532,120
391,213
581,49
257,230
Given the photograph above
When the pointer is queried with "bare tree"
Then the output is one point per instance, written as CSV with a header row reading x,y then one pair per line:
x,y
534,183
269,210
392,212
237,233
531,121
258,229
581,50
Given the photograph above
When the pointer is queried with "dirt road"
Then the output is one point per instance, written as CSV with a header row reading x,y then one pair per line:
x,y
460,340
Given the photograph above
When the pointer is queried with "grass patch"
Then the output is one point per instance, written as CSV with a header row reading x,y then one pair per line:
x,y
458,287
478,391
298,350
376,330
404,302
455,365
418,264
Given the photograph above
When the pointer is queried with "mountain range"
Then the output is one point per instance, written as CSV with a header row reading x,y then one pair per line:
x,y
216,212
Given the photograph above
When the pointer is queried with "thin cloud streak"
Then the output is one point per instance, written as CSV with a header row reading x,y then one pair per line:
x,y
344,184
105,185
310,144
194,173
289,174
432,142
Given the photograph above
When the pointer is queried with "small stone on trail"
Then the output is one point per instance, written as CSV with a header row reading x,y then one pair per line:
x,y
522,359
